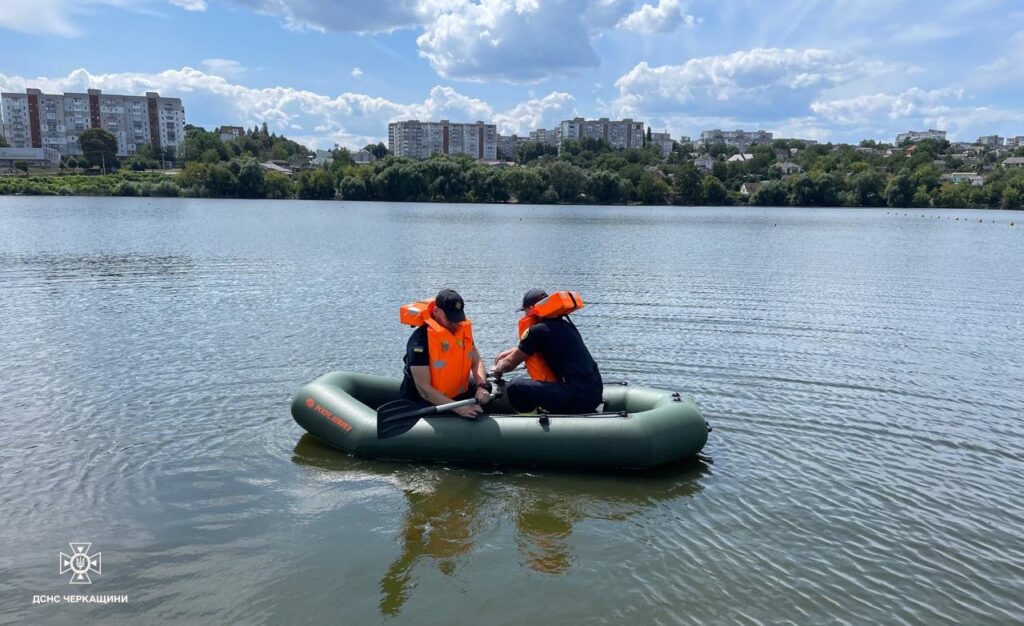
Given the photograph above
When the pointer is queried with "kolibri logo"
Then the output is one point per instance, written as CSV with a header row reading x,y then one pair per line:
x,y
80,563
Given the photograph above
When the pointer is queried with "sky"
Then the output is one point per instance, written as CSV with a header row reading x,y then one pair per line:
x,y
328,72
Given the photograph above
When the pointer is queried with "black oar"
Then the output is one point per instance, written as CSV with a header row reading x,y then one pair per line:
x,y
398,416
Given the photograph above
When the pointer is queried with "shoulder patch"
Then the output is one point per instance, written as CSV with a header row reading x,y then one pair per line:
x,y
523,336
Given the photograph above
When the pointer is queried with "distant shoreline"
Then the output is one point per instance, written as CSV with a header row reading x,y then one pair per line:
x,y
514,202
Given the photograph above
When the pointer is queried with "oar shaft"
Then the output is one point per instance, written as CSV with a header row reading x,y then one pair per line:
x,y
441,408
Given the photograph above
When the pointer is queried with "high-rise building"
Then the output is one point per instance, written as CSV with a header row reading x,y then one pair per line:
x,y
664,141
619,133
914,136
990,141
420,140
1015,142
741,139
547,137
37,120
507,145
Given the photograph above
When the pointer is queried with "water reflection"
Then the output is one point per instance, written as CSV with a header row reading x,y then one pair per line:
x,y
448,508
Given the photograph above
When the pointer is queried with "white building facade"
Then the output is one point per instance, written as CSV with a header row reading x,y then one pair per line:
x,y
37,120
741,139
420,140
664,142
548,137
620,134
914,136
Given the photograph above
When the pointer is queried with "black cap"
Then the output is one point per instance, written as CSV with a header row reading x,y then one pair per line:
x,y
532,297
449,301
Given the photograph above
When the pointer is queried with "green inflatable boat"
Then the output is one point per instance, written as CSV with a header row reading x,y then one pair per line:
x,y
639,428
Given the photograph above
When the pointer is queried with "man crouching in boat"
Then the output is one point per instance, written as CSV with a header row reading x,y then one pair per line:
x,y
440,355
563,376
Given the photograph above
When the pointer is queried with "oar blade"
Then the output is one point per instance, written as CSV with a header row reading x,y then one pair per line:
x,y
396,417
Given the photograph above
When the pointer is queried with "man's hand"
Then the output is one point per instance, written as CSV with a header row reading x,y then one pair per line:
x,y
482,396
470,411
503,354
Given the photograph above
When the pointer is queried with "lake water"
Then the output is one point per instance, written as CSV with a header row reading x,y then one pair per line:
x,y
863,371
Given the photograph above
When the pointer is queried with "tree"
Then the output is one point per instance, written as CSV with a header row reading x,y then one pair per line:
x,y
21,165
566,179
526,184
713,191
250,178
378,150
603,186
652,190
772,193
315,185
98,147
353,188
868,187
647,137
276,186
533,150
3,142
899,193
687,184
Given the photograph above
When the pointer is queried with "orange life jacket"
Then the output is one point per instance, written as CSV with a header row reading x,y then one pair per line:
x,y
450,361
556,305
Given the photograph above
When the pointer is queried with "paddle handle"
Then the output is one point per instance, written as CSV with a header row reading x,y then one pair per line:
x,y
440,408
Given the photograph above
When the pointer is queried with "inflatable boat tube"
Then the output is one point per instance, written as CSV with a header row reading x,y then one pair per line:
x,y
640,428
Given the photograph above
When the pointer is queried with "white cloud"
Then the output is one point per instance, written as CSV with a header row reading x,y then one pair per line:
x,y
190,5
666,17
38,16
353,16
769,82
867,108
357,72
544,112
350,119
228,68
515,40
58,17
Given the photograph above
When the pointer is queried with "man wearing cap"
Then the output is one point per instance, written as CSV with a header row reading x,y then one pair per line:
x,y
571,382
440,356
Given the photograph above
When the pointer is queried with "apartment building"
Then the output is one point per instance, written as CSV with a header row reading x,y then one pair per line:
x,y
551,137
990,141
37,120
620,134
230,133
664,141
914,136
741,139
420,140
507,145
1015,142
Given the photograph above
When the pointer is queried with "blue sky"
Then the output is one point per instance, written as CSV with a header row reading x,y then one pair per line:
x,y
338,71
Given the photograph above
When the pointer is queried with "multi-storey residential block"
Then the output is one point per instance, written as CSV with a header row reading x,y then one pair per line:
x,y
230,133
619,133
37,120
1015,142
551,137
34,157
507,145
990,141
664,141
741,139
420,140
914,136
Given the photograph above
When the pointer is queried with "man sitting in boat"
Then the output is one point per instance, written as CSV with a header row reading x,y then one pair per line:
x,y
440,355
563,376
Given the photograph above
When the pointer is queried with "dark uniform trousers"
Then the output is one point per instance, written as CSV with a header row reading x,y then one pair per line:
x,y
525,395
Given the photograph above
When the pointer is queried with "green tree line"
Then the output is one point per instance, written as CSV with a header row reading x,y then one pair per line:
x,y
584,172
